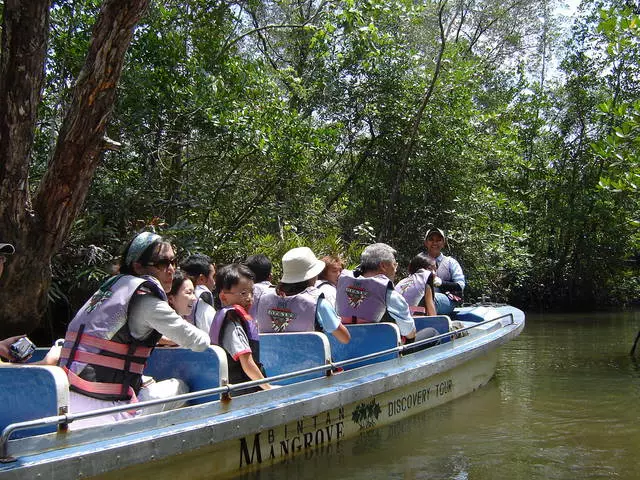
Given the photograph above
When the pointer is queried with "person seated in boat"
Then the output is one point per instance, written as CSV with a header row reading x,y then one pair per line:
x,y
449,282
297,305
417,288
366,295
234,329
51,358
261,267
108,342
202,273
328,278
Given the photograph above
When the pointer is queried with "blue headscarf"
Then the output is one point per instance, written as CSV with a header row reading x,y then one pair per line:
x,y
139,245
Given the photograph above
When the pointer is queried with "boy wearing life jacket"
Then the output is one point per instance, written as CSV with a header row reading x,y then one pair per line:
x,y
233,328
261,267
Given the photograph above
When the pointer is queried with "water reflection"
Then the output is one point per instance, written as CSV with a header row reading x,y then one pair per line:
x,y
563,405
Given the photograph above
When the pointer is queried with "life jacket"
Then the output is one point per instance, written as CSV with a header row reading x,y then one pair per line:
x,y
101,357
258,290
413,288
218,327
294,313
202,313
362,299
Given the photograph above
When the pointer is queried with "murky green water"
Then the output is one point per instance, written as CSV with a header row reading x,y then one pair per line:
x,y
565,404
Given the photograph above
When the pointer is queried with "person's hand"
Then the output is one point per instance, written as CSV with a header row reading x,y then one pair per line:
x,y
437,281
6,343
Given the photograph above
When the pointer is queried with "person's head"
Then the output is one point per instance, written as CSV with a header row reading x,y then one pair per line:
x,y
379,258
234,283
422,260
149,254
200,269
333,267
300,265
6,249
260,265
434,241
181,296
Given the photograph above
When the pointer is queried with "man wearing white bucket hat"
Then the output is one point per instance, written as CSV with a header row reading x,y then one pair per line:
x,y
297,305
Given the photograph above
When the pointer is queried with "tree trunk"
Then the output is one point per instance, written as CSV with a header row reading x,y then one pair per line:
x,y
39,232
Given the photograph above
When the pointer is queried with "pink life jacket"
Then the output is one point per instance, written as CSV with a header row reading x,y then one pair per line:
x,y
362,299
100,356
413,288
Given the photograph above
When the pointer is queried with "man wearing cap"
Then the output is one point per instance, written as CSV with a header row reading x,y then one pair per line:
x,y
449,281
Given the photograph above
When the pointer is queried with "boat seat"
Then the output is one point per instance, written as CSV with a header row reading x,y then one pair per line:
x,y
442,323
475,314
289,352
366,338
199,370
30,392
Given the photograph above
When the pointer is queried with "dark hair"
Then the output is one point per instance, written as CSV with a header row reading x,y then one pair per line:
x,y
148,255
179,278
230,275
196,265
421,260
260,265
330,261
293,288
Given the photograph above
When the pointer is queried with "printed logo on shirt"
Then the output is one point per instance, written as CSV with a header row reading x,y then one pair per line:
x,y
97,298
280,318
356,295
404,286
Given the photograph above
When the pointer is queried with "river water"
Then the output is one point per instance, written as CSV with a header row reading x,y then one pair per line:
x,y
564,404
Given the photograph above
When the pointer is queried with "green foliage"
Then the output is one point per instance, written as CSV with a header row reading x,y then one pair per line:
x,y
266,125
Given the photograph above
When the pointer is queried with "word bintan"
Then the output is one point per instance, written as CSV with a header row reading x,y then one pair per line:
x,y
414,399
320,429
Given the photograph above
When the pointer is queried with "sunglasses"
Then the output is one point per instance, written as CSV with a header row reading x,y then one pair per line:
x,y
164,263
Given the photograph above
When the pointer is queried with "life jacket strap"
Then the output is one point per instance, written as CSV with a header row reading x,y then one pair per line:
x,y
107,345
417,309
103,361
100,388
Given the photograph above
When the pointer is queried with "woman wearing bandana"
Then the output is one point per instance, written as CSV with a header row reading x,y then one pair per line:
x,y
110,338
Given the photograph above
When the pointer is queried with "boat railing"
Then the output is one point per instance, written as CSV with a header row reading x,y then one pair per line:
x,y
63,420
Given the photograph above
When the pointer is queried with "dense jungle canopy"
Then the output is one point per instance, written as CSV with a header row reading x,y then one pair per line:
x,y
239,127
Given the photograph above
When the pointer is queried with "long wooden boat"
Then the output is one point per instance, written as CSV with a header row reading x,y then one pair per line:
x,y
329,392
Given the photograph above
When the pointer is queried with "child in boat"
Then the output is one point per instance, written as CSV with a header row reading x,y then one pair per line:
x,y
202,273
297,305
261,267
328,278
417,288
233,328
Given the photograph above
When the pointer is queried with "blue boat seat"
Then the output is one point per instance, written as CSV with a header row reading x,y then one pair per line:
x,y
199,370
31,392
474,314
442,323
366,338
289,352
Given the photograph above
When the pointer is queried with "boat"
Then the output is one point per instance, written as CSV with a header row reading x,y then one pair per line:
x,y
328,392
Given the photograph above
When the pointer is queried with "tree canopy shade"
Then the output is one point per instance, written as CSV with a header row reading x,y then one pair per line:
x,y
260,126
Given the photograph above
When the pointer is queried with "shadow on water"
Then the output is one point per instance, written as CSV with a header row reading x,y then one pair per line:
x,y
563,405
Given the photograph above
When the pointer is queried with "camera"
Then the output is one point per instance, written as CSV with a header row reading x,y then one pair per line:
x,y
22,350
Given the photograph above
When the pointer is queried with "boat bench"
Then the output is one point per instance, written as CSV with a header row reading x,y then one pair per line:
x,y
199,370
442,323
31,392
366,338
289,352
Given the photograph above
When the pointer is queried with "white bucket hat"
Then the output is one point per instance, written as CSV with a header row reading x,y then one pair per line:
x,y
300,264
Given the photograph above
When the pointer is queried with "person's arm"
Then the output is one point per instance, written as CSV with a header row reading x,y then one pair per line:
x,y
457,282
429,304
5,344
251,369
398,308
148,312
330,322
